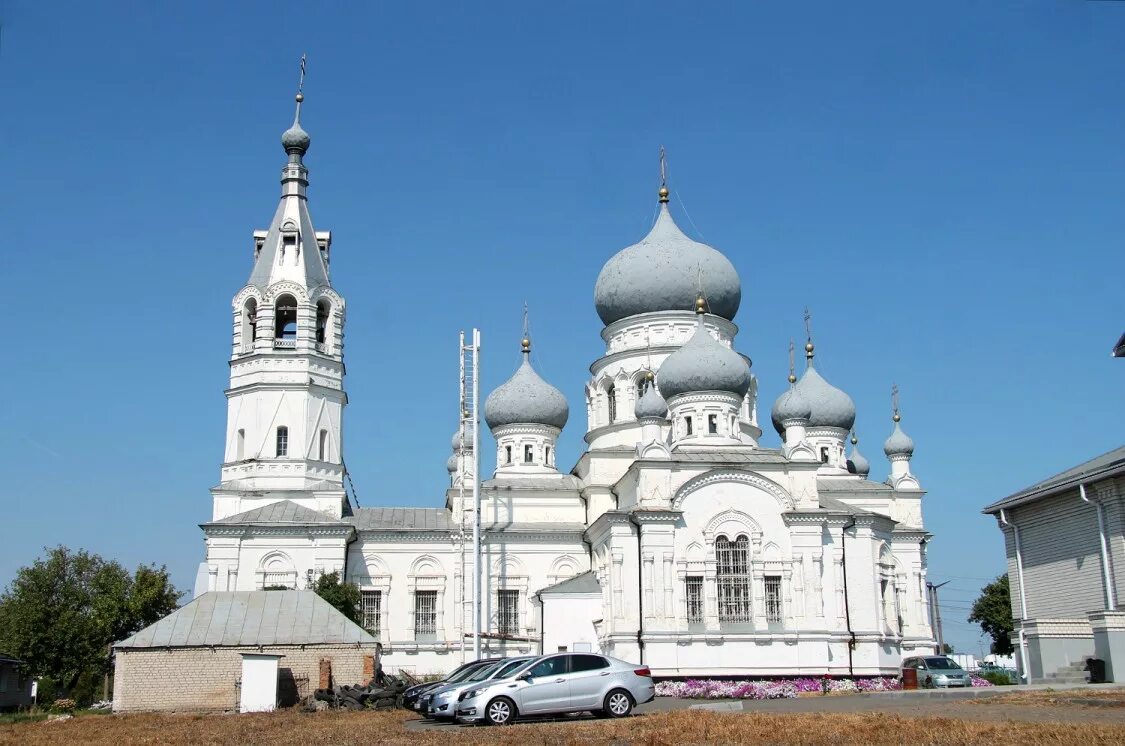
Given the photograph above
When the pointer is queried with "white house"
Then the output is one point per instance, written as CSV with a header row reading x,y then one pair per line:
x,y
678,539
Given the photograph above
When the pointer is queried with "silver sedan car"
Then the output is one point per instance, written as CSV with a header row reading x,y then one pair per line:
x,y
557,684
443,702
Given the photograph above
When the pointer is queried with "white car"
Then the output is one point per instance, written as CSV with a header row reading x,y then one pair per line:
x,y
557,684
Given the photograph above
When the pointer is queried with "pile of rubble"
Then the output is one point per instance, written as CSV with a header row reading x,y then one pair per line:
x,y
373,696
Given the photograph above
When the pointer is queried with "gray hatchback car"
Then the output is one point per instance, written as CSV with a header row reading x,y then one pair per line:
x,y
938,671
557,684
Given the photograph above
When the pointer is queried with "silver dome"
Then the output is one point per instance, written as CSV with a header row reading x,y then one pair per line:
x,y
295,138
899,444
662,273
858,463
791,405
831,407
455,441
703,364
651,405
451,464
526,399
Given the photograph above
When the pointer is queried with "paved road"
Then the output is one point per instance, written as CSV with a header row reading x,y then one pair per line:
x,y
932,703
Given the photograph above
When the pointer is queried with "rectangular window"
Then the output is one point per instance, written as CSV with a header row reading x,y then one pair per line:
x,y
546,455
425,614
507,454
687,425
508,612
693,592
732,579
370,608
527,457
282,441
713,424
773,599
323,444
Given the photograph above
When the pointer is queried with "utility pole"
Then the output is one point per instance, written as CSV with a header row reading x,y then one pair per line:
x,y
470,423
935,615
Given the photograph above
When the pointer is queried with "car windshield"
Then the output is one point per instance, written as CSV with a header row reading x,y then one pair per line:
x,y
466,672
942,664
485,672
459,670
509,668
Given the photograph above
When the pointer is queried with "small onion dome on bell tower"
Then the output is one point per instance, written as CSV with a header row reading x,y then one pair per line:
x,y
899,444
830,406
703,364
295,140
451,464
525,398
791,406
651,405
858,463
455,441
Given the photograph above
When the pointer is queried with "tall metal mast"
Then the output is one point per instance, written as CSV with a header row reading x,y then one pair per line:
x,y
470,423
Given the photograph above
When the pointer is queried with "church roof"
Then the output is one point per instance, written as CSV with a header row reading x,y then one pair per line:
x,y
401,519
584,583
285,511
250,618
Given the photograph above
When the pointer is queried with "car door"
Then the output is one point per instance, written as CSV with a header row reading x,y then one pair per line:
x,y
588,676
545,687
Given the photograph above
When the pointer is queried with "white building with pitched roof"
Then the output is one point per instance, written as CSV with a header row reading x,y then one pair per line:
x,y
678,540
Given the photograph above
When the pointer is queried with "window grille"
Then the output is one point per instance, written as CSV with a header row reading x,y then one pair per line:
x,y
693,588
370,607
425,613
733,579
508,608
286,578
611,396
282,441
773,599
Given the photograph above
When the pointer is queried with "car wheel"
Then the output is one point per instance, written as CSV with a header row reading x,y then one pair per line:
x,y
618,703
929,683
500,711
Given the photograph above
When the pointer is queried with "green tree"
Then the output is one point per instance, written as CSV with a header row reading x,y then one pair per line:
x,y
62,613
344,596
993,611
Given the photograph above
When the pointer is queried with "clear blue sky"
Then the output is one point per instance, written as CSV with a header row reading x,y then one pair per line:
x,y
940,185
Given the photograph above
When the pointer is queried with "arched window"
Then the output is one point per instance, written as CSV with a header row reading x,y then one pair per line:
x,y
611,397
282,441
249,323
732,575
285,321
323,444
322,313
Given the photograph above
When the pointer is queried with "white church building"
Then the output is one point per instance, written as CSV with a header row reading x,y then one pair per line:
x,y
679,539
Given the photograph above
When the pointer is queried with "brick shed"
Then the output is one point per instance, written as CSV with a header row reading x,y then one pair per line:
x,y
190,660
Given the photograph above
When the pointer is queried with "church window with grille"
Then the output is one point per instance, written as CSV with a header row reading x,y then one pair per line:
x,y
370,610
733,579
611,397
693,593
773,599
282,441
425,614
508,612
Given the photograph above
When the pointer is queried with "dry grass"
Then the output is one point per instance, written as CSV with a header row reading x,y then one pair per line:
x,y
681,727
1061,698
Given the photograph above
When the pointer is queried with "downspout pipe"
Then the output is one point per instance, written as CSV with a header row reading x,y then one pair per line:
x,y
1110,601
542,622
640,599
847,606
1022,640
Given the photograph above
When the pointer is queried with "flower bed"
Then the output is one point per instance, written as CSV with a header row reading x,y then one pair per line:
x,y
779,688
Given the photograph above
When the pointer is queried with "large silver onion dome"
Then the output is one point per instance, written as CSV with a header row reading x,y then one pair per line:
x,y
526,399
791,405
831,407
662,273
703,364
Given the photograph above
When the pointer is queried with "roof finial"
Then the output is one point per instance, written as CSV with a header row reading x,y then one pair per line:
x,y
295,140
663,178
525,343
300,88
894,402
808,336
855,440
792,375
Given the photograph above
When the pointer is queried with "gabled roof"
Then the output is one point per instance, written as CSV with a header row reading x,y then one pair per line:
x,y
400,519
248,618
285,511
1119,348
584,583
1107,465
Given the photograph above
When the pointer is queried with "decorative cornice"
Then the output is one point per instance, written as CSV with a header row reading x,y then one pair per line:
x,y
251,530
1056,628
784,499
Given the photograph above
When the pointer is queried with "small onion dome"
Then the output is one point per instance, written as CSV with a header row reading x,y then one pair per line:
x,y
791,405
899,444
703,364
451,464
455,441
526,399
661,273
858,463
651,404
296,139
831,407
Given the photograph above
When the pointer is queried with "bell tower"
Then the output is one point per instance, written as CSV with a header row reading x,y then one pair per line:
x,y
286,398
